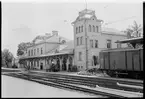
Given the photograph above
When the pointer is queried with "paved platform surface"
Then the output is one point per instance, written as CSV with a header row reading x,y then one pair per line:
x,y
18,88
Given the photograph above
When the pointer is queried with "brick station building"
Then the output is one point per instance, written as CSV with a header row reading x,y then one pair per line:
x,y
89,39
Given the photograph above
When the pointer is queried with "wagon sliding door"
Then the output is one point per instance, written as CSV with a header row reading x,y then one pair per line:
x,y
106,60
133,60
141,56
117,60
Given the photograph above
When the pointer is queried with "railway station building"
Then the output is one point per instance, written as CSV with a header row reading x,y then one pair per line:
x,y
89,39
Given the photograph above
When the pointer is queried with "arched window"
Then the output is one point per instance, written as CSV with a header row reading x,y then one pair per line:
x,y
29,52
37,63
41,51
63,41
81,28
93,28
89,28
34,51
97,29
76,29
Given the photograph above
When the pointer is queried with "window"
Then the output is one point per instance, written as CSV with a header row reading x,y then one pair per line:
x,y
80,56
81,40
34,51
82,28
97,29
37,50
31,63
77,41
37,63
91,43
79,29
96,43
31,52
118,45
26,50
34,63
108,43
93,28
76,30
89,28
41,51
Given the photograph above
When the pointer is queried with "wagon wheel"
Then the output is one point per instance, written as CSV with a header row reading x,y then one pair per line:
x,y
110,73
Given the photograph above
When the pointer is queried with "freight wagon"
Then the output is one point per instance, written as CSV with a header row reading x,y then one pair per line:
x,y
122,62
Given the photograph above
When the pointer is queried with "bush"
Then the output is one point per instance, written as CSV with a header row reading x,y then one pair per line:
x,y
53,68
94,70
14,66
74,69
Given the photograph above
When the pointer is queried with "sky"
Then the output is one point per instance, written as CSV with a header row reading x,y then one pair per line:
x,y
23,21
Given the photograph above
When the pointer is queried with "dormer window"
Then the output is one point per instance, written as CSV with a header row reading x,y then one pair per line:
x,y
63,41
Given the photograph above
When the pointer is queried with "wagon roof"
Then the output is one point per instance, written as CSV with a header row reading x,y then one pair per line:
x,y
131,40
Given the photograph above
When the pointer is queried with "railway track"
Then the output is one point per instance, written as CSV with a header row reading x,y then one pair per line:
x,y
121,84
109,83
70,84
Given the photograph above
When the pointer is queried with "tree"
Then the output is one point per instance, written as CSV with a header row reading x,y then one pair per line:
x,y
3,60
22,47
134,31
7,57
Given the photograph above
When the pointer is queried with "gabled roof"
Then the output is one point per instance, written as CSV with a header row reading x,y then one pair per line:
x,y
112,31
70,45
50,39
67,47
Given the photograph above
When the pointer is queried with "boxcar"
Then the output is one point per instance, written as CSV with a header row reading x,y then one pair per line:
x,y
122,62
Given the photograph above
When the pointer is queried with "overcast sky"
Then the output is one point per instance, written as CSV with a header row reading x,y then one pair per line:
x,y
23,21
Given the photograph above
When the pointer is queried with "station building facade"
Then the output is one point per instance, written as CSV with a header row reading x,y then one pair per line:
x,y
89,39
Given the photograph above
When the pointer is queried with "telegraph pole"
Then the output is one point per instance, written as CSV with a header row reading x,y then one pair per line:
x,y
86,39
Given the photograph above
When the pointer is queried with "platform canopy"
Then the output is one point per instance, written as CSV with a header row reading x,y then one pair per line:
x,y
131,40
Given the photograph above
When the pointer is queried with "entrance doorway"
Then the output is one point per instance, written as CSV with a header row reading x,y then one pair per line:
x,y
58,64
70,64
41,66
64,64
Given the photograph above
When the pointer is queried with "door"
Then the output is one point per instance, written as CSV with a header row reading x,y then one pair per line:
x,y
41,66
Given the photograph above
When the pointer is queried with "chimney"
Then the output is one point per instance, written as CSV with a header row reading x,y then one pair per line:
x,y
55,33
47,34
